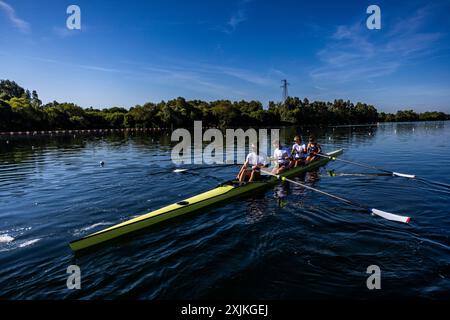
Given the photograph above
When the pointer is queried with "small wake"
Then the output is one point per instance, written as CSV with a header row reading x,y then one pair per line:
x,y
9,243
28,243
10,235
95,225
5,238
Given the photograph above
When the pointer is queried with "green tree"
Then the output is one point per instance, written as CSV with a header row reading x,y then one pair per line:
x,y
10,89
27,117
22,110
6,116
406,115
225,113
35,102
116,119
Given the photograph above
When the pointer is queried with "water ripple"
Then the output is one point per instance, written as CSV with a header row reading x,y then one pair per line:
x,y
286,242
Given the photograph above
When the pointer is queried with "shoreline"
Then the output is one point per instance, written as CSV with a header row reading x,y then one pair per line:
x,y
163,129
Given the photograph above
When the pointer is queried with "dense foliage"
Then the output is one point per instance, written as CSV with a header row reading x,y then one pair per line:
x,y
410,115
21,110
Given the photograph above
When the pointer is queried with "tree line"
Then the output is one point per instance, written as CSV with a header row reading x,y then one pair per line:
x,y
22,110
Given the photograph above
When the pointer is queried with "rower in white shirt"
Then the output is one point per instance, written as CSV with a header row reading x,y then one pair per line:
x,y
281,156
298,152
251,170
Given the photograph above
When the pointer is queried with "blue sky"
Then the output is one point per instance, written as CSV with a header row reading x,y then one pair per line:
x,y
131,52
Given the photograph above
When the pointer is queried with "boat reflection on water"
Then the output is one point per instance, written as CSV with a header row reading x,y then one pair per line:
x,y
258,205
309,178
257,209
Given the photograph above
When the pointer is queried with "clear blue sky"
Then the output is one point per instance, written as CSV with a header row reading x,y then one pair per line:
x,y
131,52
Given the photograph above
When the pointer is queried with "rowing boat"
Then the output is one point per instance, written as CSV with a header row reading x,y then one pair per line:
x,y
225,191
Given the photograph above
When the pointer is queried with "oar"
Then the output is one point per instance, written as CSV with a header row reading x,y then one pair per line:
x,y
202,168
332,173
398,174
393,173
383,214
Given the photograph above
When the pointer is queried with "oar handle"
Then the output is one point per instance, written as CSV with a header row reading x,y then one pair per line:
x,y
207,167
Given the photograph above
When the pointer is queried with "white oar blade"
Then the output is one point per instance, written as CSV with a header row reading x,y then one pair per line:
x,y
398,174
390,216
180,170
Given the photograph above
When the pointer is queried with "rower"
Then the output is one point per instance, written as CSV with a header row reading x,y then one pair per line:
x,y
281,156
298,152
313,149
251,169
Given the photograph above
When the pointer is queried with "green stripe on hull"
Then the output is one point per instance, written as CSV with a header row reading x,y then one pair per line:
x,y
192,204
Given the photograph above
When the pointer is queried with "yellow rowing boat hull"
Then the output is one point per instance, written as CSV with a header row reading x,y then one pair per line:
x,y
226,191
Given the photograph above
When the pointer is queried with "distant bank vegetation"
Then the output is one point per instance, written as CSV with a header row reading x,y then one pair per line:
x,y
21,110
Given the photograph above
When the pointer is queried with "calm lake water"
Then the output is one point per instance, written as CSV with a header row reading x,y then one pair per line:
x,y
286,242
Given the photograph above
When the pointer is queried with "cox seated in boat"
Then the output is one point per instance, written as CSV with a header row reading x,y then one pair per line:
x,y
282,157
298,152
251,169
313,149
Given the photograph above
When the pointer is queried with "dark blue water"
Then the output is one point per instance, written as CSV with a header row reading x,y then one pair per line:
x,y
286,242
